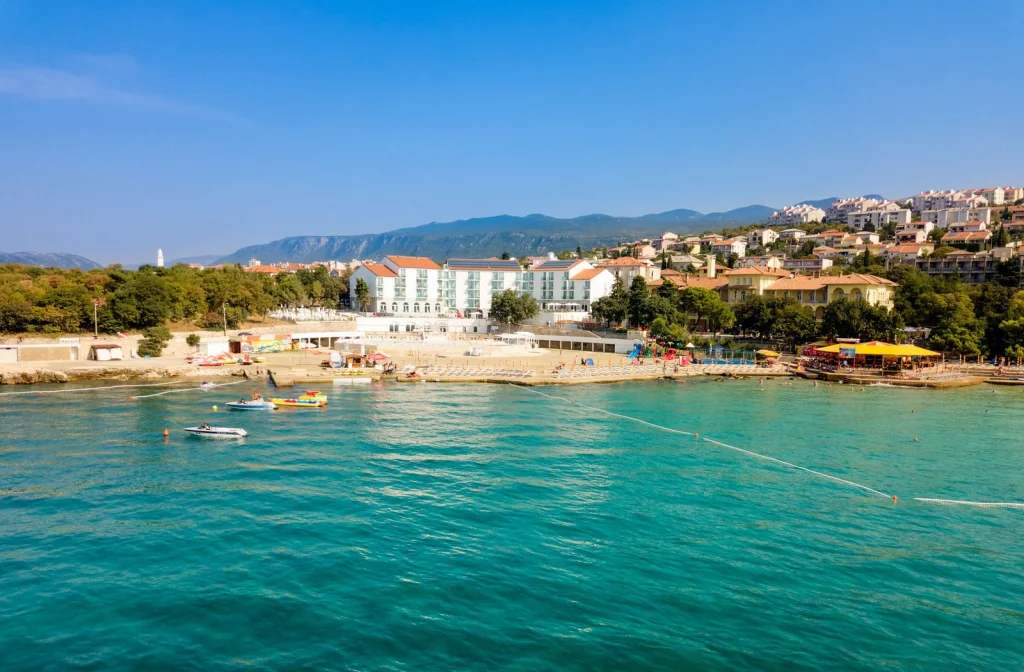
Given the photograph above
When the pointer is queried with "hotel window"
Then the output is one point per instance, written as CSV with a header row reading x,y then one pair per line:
x,y
394,307
380,287
473,289
497,282
568,291
405,307
426,307
547,285
447,289
524,281
586,290
421,285
416,307
400,285
383,307
437,307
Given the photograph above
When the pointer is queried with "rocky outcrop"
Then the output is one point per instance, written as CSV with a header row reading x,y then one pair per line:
x,y
36,376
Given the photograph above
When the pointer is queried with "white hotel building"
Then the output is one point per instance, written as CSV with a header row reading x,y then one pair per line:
x,y
407,286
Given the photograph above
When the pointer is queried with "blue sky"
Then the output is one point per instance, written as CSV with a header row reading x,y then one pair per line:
x,y
204,126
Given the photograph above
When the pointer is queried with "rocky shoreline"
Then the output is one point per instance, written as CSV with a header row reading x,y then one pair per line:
x,y
52,375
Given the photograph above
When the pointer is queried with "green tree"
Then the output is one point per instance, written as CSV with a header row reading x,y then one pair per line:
x,y
754,316
362,294
612,309
720,317
505,255
511,307
1000,238
638,303
699,302
793,323
956,329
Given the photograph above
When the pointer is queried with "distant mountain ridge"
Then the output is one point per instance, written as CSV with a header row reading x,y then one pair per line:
x,y
491,236
48,260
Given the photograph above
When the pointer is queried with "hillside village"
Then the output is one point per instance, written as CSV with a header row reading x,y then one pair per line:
x,y
803,252
943,267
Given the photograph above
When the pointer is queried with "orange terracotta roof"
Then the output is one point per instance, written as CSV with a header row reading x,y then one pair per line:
x,y
798,282
669,272
625,261
413,262
966,236
756,270
380,270
264,268
701,281
587,274
856,279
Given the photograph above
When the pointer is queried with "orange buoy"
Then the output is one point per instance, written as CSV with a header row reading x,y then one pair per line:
x,y
166,433
894,499
131,398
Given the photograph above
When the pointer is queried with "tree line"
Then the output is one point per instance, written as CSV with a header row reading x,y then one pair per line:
x,y
962,319
52,301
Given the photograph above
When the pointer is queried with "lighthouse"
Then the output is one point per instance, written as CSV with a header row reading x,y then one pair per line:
x,y
160,258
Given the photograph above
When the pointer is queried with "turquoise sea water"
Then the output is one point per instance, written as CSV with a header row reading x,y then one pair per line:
x,y
412,527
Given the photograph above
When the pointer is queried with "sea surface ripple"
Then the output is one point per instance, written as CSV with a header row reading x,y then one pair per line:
x,y
482,527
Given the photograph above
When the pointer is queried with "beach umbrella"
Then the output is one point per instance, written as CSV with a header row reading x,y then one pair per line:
x,y
377,357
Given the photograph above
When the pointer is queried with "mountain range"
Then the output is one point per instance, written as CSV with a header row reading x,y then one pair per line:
x,y
476,237
48,259
490,236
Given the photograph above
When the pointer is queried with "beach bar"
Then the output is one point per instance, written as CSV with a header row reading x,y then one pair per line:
x,y
880,355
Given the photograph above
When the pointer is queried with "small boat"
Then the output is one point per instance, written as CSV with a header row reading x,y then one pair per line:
x,y
217,432
212,364
251,405
311,399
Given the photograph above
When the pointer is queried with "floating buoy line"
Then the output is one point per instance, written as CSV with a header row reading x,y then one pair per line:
x,y
189,389
721,444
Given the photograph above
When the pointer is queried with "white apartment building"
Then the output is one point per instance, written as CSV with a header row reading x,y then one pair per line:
x,y
628,268
878,215
418,286
969,201
936,200
796,214
811,265
972,226
911,235
948,216
729,246
792,235
841,210
761,238
992,195
1012,194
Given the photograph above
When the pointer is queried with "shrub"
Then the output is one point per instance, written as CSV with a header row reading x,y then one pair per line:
x,y
192,340
160,333
149,347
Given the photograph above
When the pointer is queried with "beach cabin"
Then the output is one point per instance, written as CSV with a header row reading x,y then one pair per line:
x,y
107,352
354,360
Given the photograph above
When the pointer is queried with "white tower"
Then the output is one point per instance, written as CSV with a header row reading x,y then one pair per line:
x,y
160,258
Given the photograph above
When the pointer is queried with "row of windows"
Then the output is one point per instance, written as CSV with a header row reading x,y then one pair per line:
x,y
405,307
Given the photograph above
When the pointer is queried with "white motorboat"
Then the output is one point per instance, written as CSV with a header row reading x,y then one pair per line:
x,y
217,432
251,405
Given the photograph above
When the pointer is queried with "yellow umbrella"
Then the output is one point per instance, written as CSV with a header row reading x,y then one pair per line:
x,y
767,353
